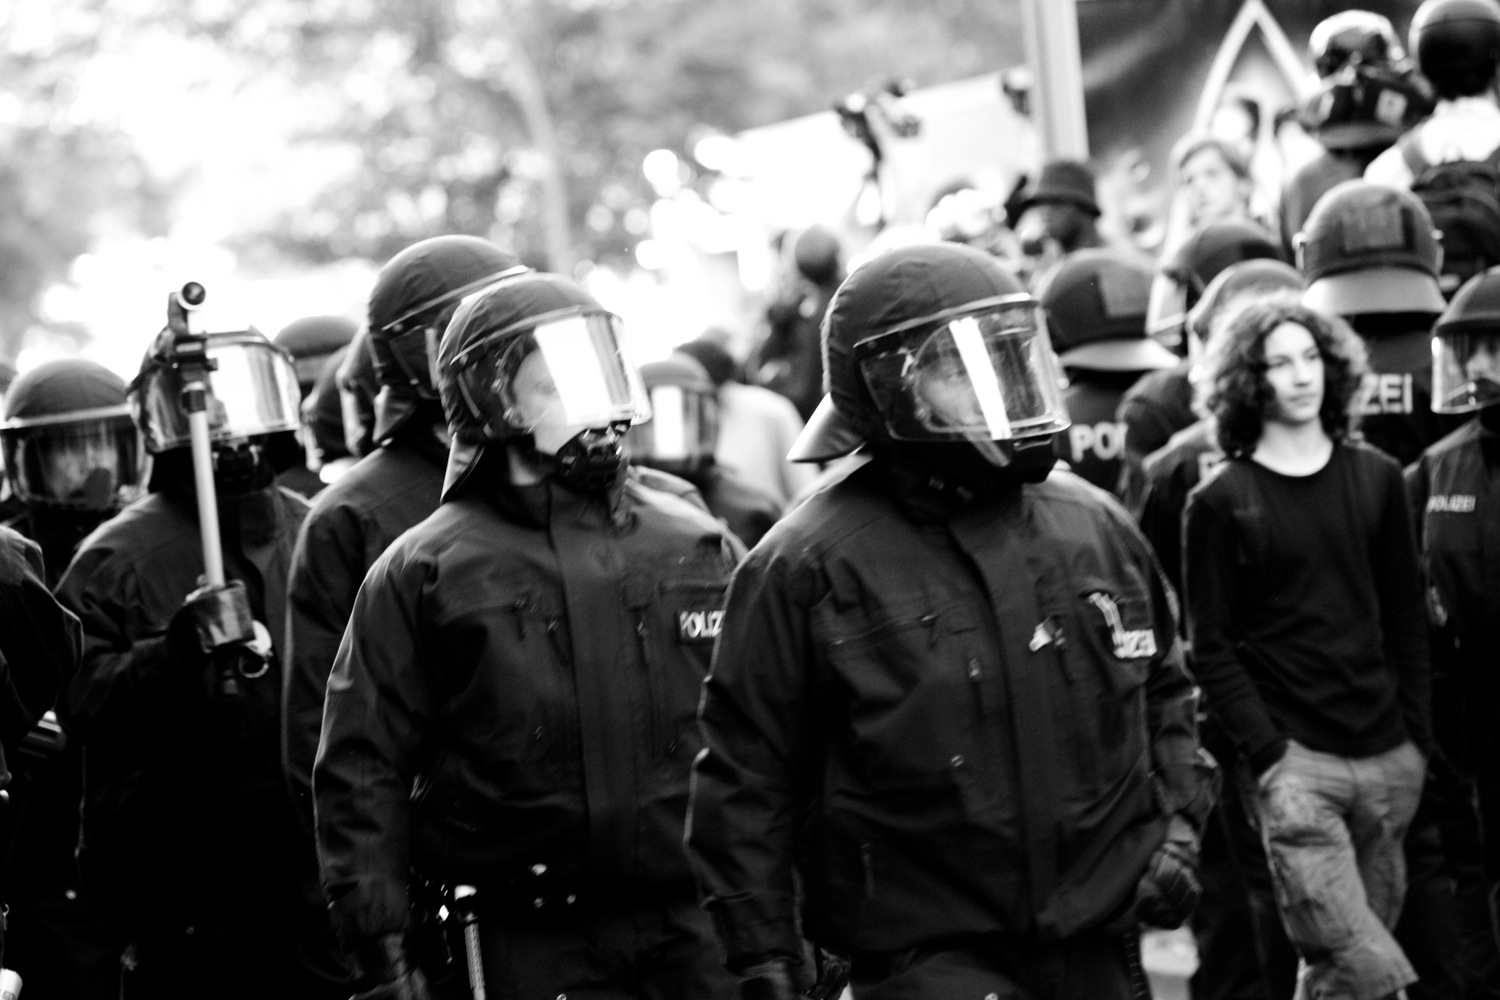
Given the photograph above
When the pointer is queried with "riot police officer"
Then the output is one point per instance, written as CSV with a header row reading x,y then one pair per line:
x,y
1095,301
1367,96
925,725
388,491
1454,490
395,487
186,830
680,437
1370,256
70,453
70,450
528,659
311,341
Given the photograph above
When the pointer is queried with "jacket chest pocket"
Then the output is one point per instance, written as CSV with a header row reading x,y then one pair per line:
x,y
507,664
677,622
907,689
1110,642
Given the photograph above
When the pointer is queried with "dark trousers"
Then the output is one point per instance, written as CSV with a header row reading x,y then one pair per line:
x,y
250,954
653,950
1089,966
64,945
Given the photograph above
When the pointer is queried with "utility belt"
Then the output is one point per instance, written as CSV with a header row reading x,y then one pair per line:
x,y
539,896
447,920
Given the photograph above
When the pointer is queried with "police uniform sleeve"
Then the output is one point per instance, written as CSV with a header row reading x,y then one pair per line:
x,y
378,709
751,780
126,682
328,565
1211,589
40,643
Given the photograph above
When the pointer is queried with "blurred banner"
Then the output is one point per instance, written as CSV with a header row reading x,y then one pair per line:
x,y
1156,69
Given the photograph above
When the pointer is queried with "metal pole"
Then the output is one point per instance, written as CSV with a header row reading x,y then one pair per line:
x,y
468,916
192,362
1052,51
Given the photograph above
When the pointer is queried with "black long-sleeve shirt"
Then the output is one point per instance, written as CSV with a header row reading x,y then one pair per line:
x,y
1304,604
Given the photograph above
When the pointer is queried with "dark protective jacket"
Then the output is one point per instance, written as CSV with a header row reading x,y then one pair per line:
x,y
1396,396
1455,497
40,643
1094,443
1159,405
944,721
518,687
184,810
350,525
745,509
58,533
1169,474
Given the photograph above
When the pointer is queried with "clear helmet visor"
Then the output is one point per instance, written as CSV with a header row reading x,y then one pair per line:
x,y
252,391
1167,310
82,464
681,433
986,373
560,376
1465,371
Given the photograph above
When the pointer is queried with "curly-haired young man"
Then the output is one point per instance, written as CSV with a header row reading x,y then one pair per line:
x,y
1306,618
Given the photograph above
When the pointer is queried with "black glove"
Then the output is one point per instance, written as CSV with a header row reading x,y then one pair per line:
x,y
383,968
1169,889
773,979
833,975
211,618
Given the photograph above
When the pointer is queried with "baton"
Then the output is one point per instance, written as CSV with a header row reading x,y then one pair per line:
x,y
463,905
190,358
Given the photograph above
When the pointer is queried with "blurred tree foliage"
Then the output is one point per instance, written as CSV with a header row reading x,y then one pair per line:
x,y
523,120
64,177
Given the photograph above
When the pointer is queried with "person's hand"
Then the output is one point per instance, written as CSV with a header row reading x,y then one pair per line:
x,y
1169,889
774,979
211,618
833,975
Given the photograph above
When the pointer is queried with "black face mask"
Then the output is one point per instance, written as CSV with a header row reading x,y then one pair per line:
x,y
960,464
241,470
591,460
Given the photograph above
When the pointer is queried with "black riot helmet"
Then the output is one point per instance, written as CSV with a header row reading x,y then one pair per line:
x,y
1466,348
68,439
1457,45
1353,36
414,295
254,409
684,426
937,352
1187,272
536,361
358,386
1365,106
311,341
